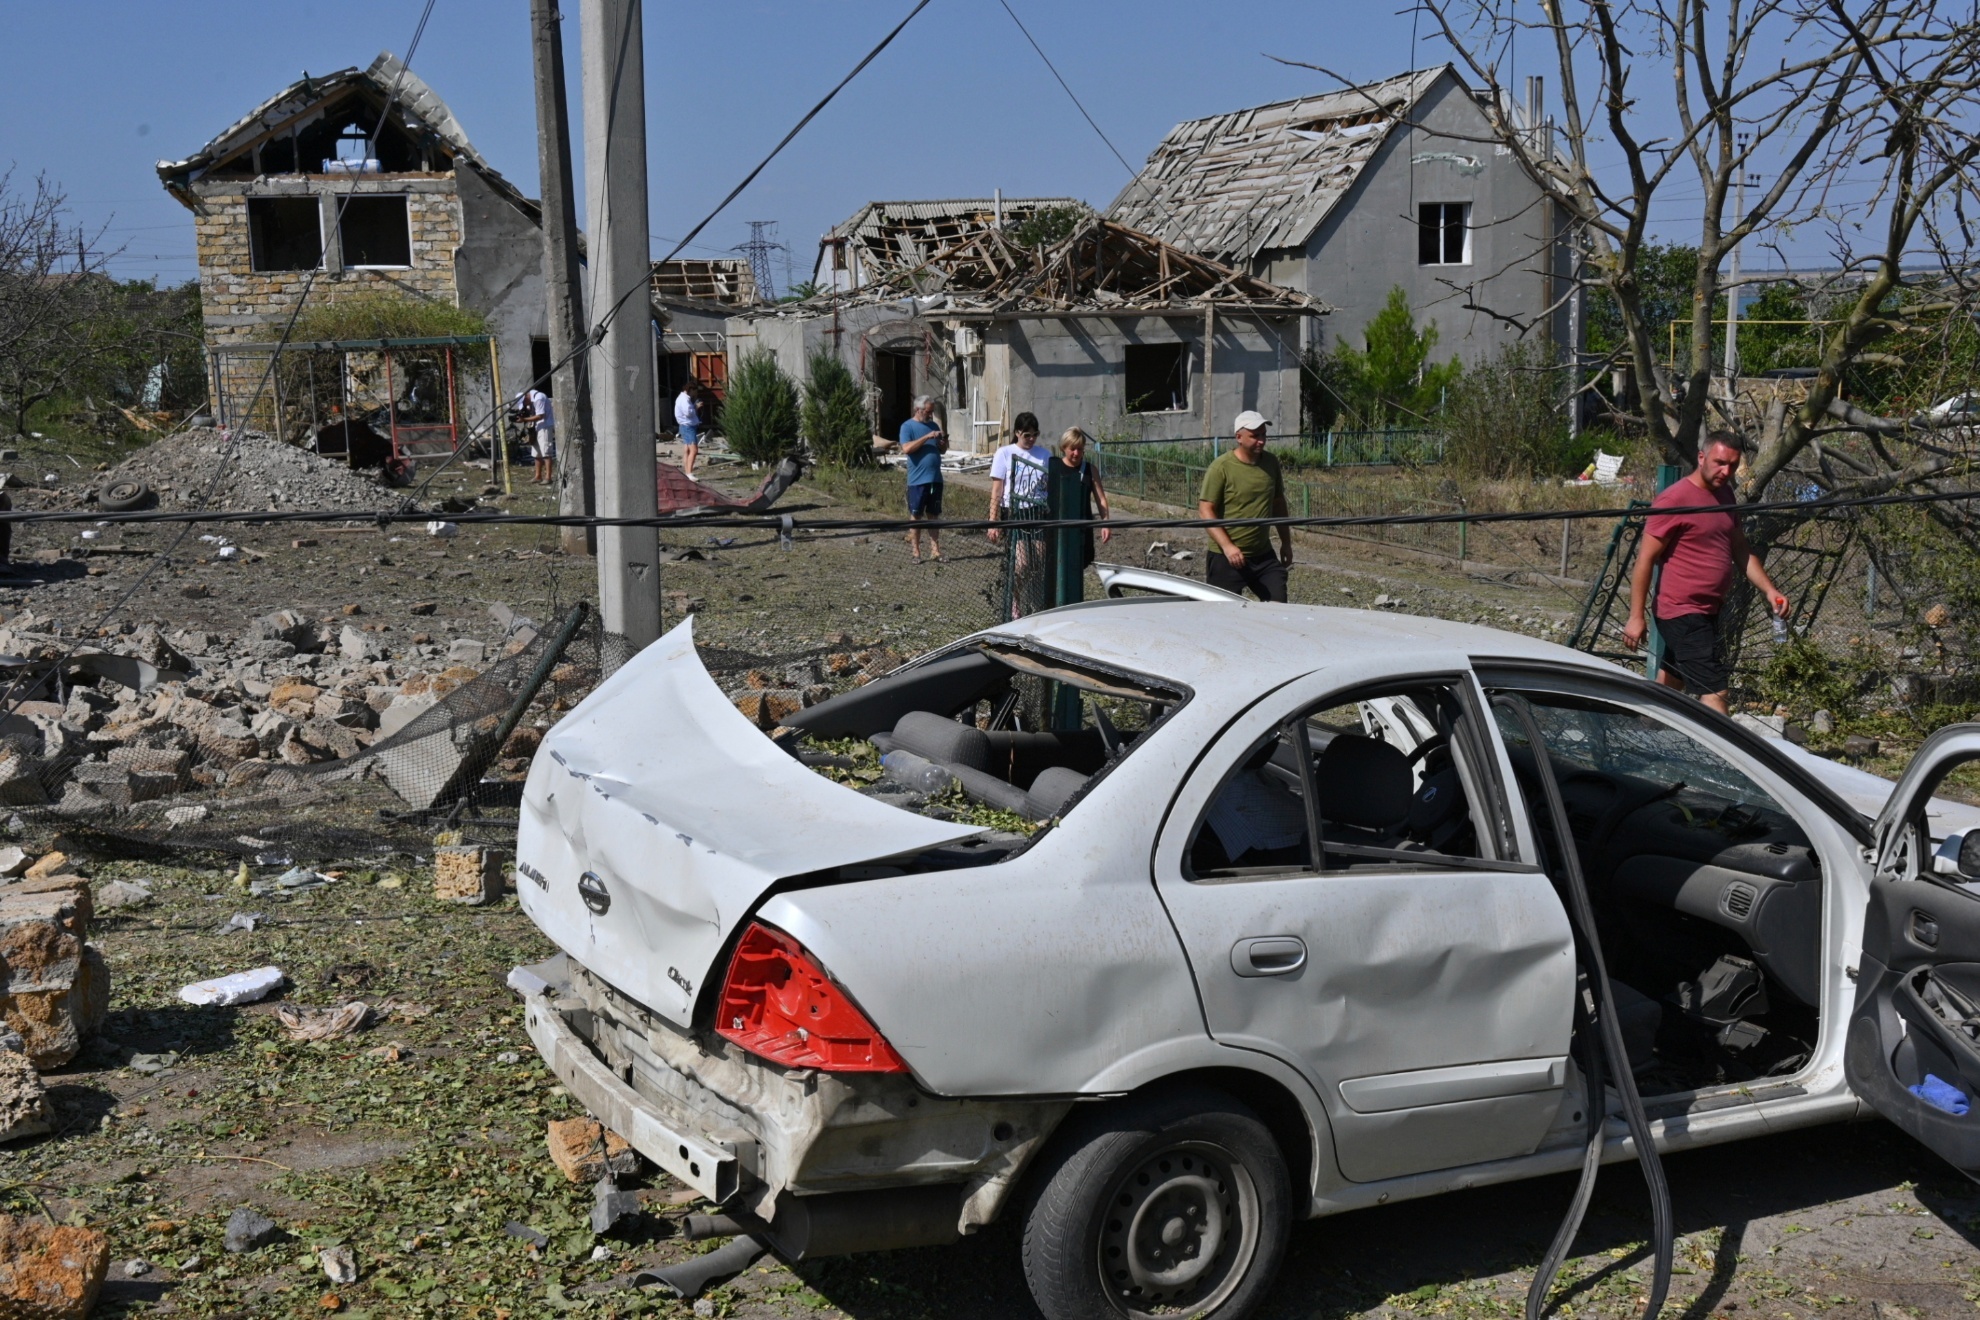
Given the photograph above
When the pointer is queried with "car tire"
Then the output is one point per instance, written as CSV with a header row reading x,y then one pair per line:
x,y
1174,1203
122,496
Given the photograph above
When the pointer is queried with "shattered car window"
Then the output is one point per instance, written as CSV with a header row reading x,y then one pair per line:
x,y
1001,735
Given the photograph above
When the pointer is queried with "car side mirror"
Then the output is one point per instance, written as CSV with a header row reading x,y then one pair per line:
x,y
1969,855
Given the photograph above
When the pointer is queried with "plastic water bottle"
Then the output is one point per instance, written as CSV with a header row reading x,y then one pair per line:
x,y
1780,629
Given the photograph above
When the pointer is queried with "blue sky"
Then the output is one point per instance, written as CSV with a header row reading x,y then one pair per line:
x,y
99,90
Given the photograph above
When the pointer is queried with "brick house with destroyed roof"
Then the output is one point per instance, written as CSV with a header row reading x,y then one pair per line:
x,y
311,181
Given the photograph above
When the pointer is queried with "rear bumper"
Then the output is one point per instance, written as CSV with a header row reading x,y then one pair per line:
x,y
779,1143
711,1165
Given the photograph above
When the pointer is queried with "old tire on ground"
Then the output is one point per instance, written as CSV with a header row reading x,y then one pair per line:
x,y
1174,1203
119,496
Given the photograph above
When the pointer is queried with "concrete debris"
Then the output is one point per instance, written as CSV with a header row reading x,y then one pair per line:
x,y
468,875
246,921
264,473
114,894
236,988
248,1230
50,1271
13,862
54,985
586,1151
611,1209
339,1265
54,863
24,1107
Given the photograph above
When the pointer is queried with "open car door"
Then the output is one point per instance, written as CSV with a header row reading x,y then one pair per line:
x,y
1913,1053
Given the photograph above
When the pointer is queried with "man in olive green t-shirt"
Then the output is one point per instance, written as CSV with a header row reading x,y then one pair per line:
x,y
1246,483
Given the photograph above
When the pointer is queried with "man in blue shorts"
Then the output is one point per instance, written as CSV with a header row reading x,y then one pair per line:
x,y
924,443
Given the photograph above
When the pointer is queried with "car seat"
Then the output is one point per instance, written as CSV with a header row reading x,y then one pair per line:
x,y
1364,787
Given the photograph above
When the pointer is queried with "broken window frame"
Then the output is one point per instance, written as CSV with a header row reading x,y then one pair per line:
x,y
1443,233
261,213
356,203
1177,379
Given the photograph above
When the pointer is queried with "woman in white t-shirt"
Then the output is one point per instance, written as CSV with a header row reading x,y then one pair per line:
x,y
1017,473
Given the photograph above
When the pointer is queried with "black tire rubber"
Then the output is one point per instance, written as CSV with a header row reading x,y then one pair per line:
x,y
121,496
1088,1171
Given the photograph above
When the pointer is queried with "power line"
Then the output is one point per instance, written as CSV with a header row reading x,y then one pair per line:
x,y
787,522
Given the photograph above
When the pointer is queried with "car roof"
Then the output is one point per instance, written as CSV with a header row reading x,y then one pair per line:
x,y
1193,642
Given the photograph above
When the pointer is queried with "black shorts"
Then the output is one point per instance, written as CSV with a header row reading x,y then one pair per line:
x,y
1264,576
1693,652
925,499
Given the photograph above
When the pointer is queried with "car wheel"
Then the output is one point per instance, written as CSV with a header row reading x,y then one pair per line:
x,y
120,496
1174,1204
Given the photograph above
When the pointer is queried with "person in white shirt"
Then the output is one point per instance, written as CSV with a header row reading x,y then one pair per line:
x,y
1017,473
539,420
687,416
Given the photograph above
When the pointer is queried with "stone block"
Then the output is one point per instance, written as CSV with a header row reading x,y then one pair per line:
x,y
47,864
467,651
21,781
54,987
468,875
153,760
24,1108
294,698
50,1271
356,644
227,740
403,710
349,711
585,1150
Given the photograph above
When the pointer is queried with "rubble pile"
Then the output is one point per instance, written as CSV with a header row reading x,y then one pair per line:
x,y
767,697
222,712
265,474
50,1271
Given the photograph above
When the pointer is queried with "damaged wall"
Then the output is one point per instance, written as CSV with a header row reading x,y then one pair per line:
x,y
1070,370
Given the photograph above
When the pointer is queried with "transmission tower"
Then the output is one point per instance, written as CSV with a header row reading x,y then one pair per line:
x,y
762,242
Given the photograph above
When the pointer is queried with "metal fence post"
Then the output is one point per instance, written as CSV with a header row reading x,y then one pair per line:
x,y
1653,645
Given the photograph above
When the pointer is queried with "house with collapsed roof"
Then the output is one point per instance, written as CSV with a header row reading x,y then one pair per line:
x,y
885,236
693,299
311,183
1349,194
1109,329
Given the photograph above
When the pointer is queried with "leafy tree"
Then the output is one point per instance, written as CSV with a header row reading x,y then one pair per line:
x,y
760,415
1046,226
802,290
383,314
1666,274
834,416
1391,381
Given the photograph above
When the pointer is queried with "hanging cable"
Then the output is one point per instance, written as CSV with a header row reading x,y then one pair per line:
x,y
1588,951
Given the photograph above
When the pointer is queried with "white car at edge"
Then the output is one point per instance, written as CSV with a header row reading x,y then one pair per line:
x,y
1286,945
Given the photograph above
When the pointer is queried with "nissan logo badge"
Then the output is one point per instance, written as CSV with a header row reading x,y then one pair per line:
x,y
592,890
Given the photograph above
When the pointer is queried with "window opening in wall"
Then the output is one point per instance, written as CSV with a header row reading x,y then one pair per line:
x,y
1443,233
354,154
285,233
374,231
1157,378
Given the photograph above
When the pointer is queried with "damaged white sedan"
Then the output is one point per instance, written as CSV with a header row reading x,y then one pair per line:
x,y
1275,929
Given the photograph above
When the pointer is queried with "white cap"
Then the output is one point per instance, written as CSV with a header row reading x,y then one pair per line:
x,y
1249,421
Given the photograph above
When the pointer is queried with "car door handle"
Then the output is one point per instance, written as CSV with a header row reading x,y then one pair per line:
x,y
1268,955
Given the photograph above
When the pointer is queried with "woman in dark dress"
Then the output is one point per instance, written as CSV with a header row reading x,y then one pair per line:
x,y
1092,494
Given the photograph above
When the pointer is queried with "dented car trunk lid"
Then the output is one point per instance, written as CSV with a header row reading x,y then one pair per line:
x,y
656,815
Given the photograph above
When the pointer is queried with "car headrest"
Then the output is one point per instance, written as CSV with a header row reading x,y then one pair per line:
x,y
1363,782
944,742
1055,787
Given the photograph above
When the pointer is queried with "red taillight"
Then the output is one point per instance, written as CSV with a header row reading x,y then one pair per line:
x,y
779,1005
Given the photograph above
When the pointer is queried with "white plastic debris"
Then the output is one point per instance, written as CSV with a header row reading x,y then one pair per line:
x,y
91,536
236,988
230,552
211,539
442,529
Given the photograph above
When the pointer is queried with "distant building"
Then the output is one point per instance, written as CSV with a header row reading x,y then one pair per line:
x,y
1108,329
310,181
693,300
1351,193
884,237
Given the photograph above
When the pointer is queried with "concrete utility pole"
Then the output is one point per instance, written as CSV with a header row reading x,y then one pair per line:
x,y
1732,290
562,294
622,364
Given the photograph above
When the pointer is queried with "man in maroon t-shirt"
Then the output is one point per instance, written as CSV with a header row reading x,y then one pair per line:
x,y
1699,553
